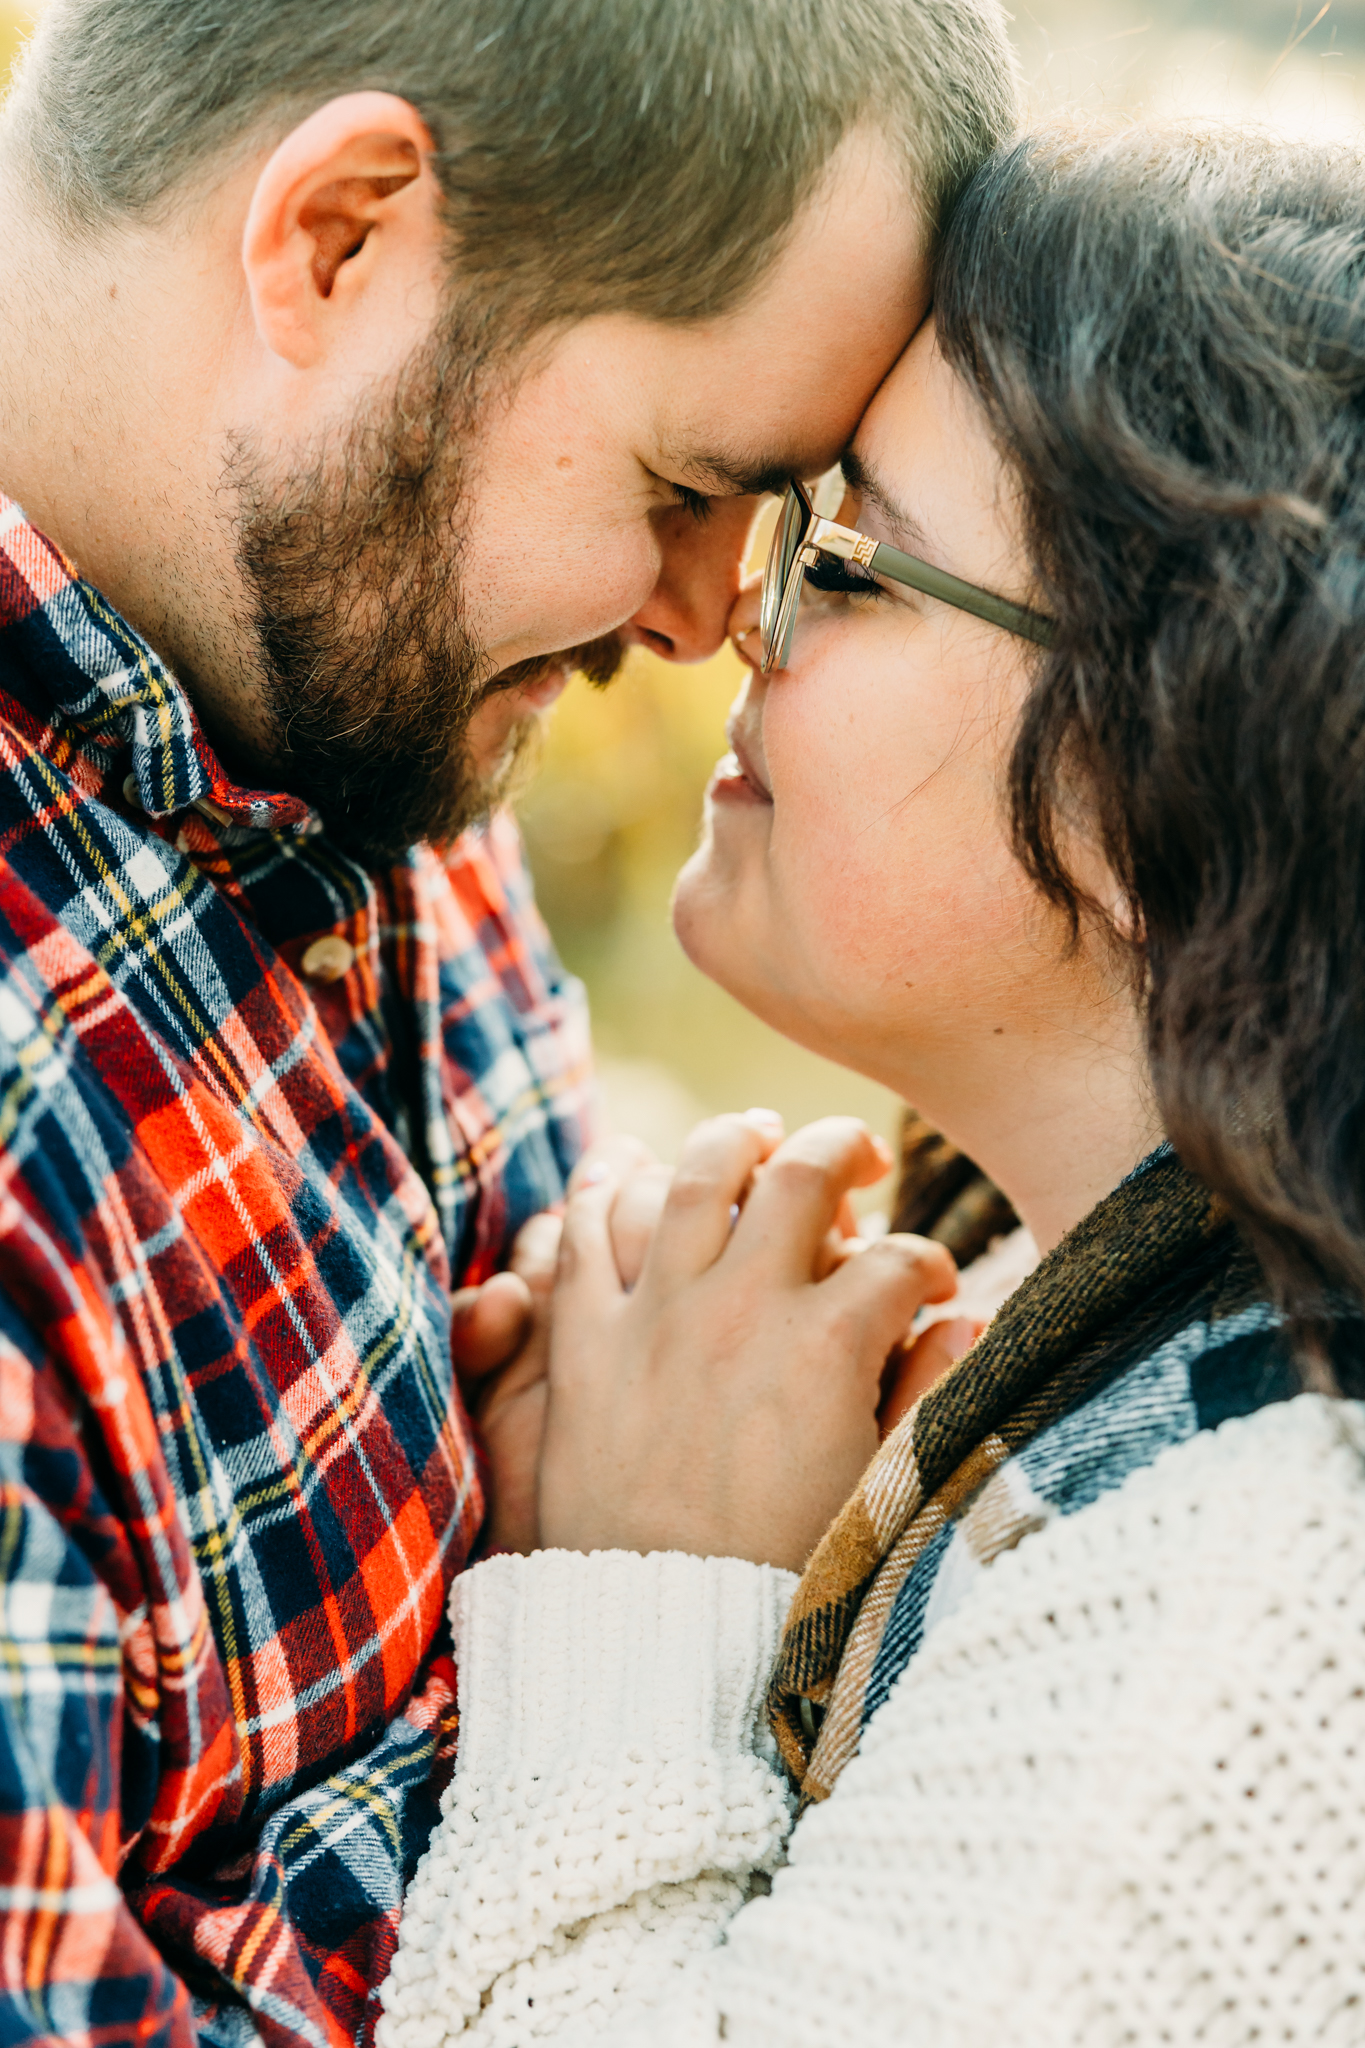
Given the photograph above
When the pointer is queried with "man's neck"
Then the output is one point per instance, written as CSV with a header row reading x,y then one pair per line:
x,y
110,346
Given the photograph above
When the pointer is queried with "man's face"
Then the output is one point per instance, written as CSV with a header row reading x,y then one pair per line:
x,y
423,593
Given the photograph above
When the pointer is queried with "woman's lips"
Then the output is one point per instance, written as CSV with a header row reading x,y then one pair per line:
x,y
736,780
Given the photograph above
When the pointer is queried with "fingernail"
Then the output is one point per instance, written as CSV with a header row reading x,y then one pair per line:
x,y
883,1151
592,1176
764,1119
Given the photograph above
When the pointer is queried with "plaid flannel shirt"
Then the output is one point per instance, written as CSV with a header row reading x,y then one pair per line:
x,y
237,1168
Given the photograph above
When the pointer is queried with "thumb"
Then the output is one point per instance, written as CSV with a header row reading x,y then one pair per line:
x,y
488,1324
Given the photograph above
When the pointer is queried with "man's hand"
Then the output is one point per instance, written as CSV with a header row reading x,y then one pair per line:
x,y
500,1335
500,1344
728,1404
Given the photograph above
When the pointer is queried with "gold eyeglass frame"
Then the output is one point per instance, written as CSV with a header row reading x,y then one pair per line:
x,y
801,536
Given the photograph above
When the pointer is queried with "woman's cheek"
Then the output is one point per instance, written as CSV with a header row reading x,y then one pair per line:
x,y
839,881
886,844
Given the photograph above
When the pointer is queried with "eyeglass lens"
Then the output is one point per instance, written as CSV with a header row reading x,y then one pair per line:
x,y
787,538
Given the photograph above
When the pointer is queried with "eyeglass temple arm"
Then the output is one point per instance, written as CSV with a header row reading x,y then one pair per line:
x,y
884,560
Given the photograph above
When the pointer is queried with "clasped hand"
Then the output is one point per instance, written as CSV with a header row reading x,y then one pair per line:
x,y
701,1360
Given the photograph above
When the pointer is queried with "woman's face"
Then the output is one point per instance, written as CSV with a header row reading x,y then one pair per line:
x,y
854,886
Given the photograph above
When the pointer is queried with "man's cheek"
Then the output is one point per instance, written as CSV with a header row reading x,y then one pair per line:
x,y
594,592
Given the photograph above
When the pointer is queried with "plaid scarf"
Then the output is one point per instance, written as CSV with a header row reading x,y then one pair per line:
x,y
1138,1299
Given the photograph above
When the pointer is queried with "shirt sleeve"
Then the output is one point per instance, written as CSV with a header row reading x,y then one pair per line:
x,y
74,1963
1115,1798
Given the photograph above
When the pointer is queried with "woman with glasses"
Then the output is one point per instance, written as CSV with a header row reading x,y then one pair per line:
x,y
1045,806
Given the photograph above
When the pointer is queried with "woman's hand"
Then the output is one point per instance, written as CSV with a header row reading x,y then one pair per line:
x,y
727,1405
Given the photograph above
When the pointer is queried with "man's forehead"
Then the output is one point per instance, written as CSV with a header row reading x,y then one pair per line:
x,y
726,427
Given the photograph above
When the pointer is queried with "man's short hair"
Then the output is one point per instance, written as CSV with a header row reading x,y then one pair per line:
x,y
639,156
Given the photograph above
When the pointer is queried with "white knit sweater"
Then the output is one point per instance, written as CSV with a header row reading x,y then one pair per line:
x,y
1118,1797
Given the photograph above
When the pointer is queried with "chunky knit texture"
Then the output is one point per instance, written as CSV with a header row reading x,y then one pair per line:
x,y
1154,1264
1119,1796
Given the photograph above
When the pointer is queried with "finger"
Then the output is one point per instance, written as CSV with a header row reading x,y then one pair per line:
x,y
832,1250
623,1154
488,1324
635,1217
710,1181
875,1296
796,1199
535,1253
587,1284
925,1362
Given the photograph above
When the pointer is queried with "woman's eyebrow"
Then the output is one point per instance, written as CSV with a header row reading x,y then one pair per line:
x,y
904,529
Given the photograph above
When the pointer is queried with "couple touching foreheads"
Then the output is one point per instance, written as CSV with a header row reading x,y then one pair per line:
x,y
822,1677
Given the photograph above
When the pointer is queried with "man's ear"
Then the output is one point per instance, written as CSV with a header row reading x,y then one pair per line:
x,y
348,195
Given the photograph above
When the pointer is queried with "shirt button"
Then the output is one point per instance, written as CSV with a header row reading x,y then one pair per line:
x,y
327,959
209,809
131,793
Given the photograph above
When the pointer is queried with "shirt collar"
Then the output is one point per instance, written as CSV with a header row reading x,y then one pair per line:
x,y
102,678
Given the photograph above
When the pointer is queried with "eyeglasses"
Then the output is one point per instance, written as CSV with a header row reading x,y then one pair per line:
x,y
801,536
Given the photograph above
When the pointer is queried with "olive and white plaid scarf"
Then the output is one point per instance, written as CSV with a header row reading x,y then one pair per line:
x,y
1145,1325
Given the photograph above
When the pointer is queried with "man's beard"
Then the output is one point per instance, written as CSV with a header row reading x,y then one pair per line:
x,y
370,673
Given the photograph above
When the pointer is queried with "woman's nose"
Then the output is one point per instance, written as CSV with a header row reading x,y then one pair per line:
x,y
742,628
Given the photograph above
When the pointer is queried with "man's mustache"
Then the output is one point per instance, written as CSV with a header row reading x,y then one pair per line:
x,y
597,660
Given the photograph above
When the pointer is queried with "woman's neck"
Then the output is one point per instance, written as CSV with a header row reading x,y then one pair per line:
x,y
1056,1120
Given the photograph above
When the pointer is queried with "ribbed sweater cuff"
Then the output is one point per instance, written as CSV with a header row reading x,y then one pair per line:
x,y
565,1656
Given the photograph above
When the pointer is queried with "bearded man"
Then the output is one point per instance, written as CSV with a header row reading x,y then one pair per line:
x,y
371,364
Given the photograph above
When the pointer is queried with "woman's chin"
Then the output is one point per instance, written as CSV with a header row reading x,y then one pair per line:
x,y
713,916
698,906
720,925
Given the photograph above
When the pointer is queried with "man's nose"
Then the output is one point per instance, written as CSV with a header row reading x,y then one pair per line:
x,y
686,615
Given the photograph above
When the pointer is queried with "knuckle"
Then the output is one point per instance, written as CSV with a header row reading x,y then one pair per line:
x,y
719,1139
693,1188
582,1211
797,1174
844,1325
829,1137
920,1252
898,1265
537,1243
570,1261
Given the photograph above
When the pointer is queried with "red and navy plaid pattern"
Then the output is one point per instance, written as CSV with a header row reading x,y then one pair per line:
x,y
236,1481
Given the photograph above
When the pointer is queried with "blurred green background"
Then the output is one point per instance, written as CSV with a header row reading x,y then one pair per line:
x,y
613,809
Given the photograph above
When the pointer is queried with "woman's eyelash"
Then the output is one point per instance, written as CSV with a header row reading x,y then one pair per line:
x,y
831,572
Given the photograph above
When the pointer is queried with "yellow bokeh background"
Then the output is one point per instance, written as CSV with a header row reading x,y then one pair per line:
x,y
614,807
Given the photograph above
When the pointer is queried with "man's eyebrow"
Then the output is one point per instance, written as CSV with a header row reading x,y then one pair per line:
x,y
904,528
730,476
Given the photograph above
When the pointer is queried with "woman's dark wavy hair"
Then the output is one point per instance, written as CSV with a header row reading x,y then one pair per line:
x,y
1167,332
